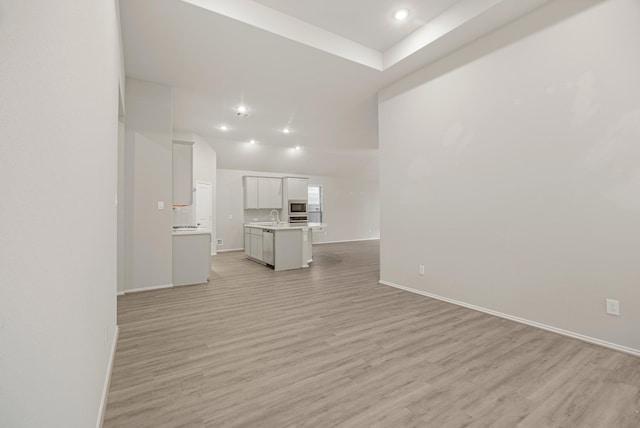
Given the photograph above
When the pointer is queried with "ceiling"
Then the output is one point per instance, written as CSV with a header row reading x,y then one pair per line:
x,y
313,66
368,22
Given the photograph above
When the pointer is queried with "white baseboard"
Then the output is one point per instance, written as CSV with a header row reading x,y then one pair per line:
x,y
120,293
107,381
346,240
155,287
231,249
592,340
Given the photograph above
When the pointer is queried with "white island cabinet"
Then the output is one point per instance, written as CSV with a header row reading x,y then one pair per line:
x,y
259,244
256,243
281,246
247,241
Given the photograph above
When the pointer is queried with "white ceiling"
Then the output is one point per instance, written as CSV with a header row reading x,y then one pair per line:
x,y
217,54
368,22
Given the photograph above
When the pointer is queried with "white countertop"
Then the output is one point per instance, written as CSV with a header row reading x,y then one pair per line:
x,y
286,226
191,232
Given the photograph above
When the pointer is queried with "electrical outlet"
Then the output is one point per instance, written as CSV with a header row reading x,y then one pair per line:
x,y
613,307
220,242
421,269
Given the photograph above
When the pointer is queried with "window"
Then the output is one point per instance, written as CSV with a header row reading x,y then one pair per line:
x,y
314,206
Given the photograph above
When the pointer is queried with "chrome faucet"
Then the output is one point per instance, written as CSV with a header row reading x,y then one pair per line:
x,y
275,218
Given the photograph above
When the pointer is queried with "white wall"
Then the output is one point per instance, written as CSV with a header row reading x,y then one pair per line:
x,y
514,175
121,207
148,180
60,64
351,208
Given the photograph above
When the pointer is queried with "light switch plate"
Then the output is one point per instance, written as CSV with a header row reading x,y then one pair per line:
x,y
613,307
160,205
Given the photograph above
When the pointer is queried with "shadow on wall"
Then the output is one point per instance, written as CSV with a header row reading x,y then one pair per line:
x,y
546,16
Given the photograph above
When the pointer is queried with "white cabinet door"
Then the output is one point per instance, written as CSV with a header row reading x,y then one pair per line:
x,y
182,174
270,193
247,244
267,247
297,189
250,193
256,247
260,255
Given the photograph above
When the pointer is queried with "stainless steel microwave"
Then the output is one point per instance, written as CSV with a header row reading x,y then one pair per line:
x,y
297,207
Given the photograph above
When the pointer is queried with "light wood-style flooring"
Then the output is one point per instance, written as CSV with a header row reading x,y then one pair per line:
x,y
329,346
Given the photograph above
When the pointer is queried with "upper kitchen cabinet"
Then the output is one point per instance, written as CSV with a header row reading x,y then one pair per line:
x,y
250,193
262,193
182,173
270,193
297,189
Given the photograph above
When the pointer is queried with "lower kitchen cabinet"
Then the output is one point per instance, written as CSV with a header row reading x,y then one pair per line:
x,y
253,243
247,241
191,258
256,246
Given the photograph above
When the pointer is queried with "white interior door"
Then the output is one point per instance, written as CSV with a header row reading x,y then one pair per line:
x,y
204,204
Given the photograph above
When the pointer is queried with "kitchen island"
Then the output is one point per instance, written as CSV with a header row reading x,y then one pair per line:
x,y
282,246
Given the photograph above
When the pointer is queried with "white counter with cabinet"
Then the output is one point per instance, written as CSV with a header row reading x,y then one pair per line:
x,y
191,256
282,246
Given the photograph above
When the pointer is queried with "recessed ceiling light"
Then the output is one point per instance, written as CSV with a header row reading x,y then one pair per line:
x,y
223,127
252,141
401,14
241,109
297,147
286,130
